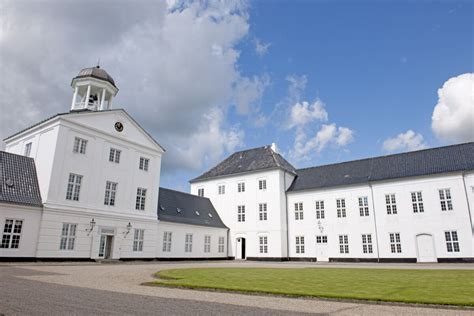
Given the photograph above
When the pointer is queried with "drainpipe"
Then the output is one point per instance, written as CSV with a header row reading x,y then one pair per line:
x,y
375,222
467,200
287,226
228,236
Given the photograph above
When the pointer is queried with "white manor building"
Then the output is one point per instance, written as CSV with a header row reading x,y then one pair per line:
x,y
85,184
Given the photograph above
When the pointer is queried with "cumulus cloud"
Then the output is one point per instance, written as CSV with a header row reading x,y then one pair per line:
x,y
453,115
175,62
303,113
407,141
261,48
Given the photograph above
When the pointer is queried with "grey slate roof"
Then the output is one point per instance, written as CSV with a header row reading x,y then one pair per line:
x,y
454,158
248,160
18,180
180,207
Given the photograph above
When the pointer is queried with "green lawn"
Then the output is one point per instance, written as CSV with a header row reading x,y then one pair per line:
x,y
452,287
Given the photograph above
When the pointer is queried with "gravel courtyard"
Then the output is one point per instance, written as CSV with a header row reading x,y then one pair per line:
x,y
113,280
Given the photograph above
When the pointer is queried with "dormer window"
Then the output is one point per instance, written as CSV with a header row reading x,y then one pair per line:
x,y
197,213
178,210
143,164
80,145
114,155
210,215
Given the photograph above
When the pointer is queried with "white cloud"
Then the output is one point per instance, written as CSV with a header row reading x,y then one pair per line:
x,y
407,141
175,62
304,113
326,135
453,115
261,48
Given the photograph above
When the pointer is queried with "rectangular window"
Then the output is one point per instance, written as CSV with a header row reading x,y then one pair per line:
x,y
11,233
417,202
79,145
263,244
322,239
207,243
452,242
73,187
262,184
299,244
343,244
28,149
138,239
221,244
341,207
140,201
114,155
188,243
167,238
367,243
445,199
241,187
395,243
68,237
241,213
110,191
363,206
391,203
262,211
320,210
299,211
221,189
201,192
144,162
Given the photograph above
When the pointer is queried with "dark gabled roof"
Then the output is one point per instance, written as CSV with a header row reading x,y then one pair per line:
x,y
248,160
180,207
75,112
95,72
454,158
18,180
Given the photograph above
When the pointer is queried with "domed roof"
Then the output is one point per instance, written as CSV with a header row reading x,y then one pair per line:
x,y
96,72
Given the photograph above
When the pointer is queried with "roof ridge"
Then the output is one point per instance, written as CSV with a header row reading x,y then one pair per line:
x,y
186,193
385,156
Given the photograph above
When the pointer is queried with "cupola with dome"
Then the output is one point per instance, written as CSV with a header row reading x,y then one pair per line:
x,y
94,90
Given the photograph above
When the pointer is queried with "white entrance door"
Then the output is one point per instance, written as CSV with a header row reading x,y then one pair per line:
x,y
425,246
322,248
105,246
240,248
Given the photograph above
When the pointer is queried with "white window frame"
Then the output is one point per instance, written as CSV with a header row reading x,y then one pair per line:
x,y
110,193
138,239
417,202
167,241
320,212
73,189
341,207
207,243
391,203
262,184
188,243
68,236
241,187
201,192
343,244
11,234
27,151
262,211
114,155
395,243
240,213
364,206
452,241
445,199
140,199
321,239
299,244
221,244
80,145
367,245
221,189
143,163
263,244
299,212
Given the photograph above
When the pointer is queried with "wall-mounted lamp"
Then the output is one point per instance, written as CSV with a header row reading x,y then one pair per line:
x,y
128,228
91,227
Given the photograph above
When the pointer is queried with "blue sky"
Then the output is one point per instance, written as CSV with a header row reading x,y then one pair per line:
x,y
373,74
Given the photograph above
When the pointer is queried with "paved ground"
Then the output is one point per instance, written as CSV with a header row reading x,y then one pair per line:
x,y
82,289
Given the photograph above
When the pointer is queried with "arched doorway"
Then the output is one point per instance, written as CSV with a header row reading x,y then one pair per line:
x,y
425,248
240,248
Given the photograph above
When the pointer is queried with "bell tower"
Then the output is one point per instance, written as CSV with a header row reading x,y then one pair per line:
x,y
94,90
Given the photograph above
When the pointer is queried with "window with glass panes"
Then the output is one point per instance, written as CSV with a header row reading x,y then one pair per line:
x,y
417,202
80,145
263,244
207,243
241,213
167,239
341,207
262,184
262,211
201,192
73,187
395,243
445,200
28,149
391,203
299,211
11,233
140,200
143,164
188,243
320,210
241,187
323,239
343,244
68,236
138,237
299,244
367,243
110,191
220,248
363,206
221,189
114,155
452,242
